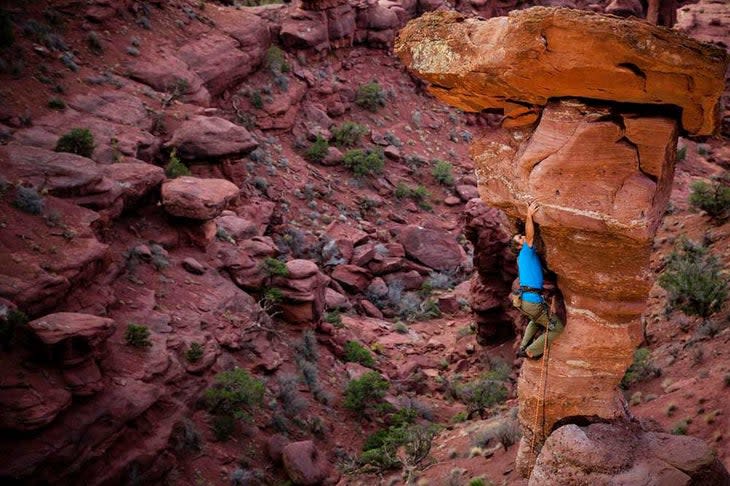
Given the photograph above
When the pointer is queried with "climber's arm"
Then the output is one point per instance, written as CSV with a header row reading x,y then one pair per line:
x,y
529,224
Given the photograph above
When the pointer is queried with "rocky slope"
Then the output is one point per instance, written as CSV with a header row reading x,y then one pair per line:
x,y
270,256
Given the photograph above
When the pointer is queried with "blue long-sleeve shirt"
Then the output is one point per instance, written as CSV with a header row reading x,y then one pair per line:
x,y
530,272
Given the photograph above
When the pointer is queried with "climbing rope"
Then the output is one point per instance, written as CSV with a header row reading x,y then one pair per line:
x,y
540,406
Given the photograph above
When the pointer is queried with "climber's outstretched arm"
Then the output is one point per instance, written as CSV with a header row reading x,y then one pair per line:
x,y
529,224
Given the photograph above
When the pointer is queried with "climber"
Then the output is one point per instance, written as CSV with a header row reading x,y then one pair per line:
x,y
528,298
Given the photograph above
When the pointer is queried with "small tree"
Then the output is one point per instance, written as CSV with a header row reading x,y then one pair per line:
x,y
694,280
364,162
714,199
275,268
137,336
317,151
234,393
78,141
365,392
442,173
370,96
348,134
175,168
357,353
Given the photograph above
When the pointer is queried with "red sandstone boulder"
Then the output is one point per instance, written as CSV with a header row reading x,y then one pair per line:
x,y
167,73
606,454
354,278
305,29
304,463
55,328
435,249
219,62
114,106
201,199
237,227
209,136
135,179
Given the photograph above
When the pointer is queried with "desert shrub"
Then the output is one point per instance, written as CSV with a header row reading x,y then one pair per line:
x,y
223,427
508,432
442,172
364,162
357,353
334,317
291,401
28,200
274,268
185,436
694,280
682,153
317,151
714,199
235,393
681,427
481,394
365,393
370,96
400,327
276,61
641,368
78,141
256,99
348,134
194,352
137,336
419,194
56,103
175,168
159,257
307,346
93,41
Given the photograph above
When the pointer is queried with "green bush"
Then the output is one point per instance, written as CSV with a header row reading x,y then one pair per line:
x,y
317,151
442,172
137,336
419,194
481,394
357,353
274,267
641,368
370,96
94,42
680,428
194,352
78,141
256,100
175,168
348,134
275,60
694,280
334,317
365,393
56,103
714,199
364,162
307,348
223,427
234,393
28,200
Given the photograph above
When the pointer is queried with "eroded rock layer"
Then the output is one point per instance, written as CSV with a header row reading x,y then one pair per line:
x,y
519,62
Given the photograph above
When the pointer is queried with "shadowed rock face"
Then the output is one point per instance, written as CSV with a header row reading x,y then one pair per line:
x,y
589,135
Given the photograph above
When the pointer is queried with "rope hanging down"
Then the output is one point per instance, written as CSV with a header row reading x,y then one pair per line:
x,y
540,406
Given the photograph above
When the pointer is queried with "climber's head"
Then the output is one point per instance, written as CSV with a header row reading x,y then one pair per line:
x,y
517,241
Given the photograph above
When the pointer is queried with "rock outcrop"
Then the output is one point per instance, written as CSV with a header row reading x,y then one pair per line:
x,y
600,167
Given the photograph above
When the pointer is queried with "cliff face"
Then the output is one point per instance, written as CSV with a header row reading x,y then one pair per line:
x,y
593,106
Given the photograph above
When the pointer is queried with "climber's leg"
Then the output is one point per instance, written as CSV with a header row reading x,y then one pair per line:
x,y
530,332
555,328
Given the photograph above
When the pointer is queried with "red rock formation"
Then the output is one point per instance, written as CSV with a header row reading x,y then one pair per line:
x,y
602,170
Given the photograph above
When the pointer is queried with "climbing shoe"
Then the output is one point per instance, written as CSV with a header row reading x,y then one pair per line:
x,y
521,353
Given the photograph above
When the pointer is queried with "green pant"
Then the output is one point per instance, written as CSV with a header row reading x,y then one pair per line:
x,y
538,314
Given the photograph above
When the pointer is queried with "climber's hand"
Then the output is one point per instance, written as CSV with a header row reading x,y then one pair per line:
x,y
532,208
